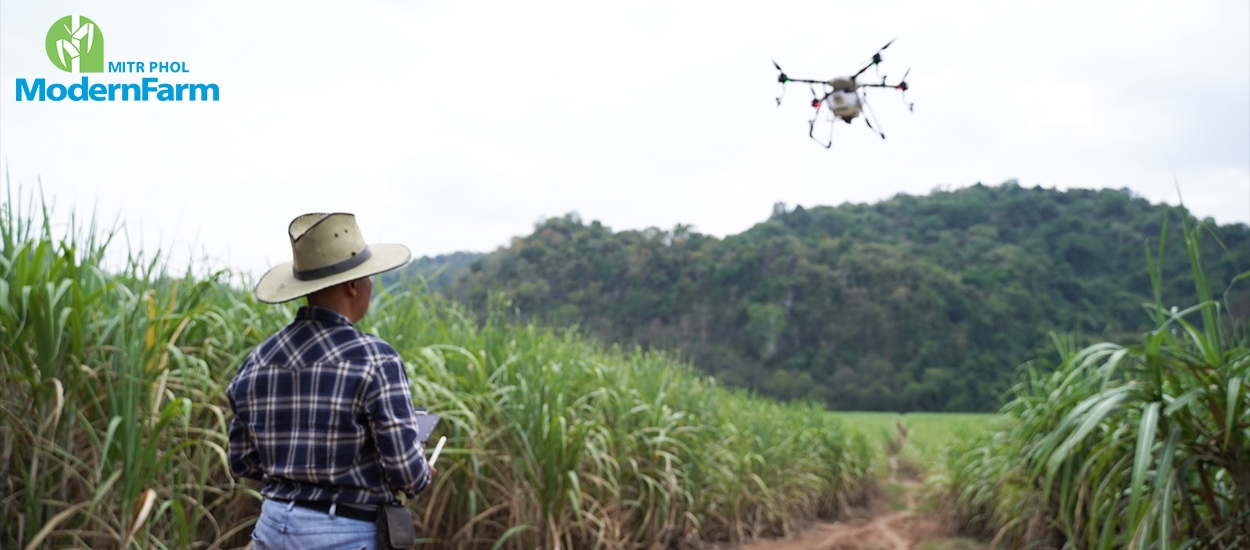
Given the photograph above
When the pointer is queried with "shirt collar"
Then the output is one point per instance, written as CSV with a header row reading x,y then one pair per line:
x,y
323,314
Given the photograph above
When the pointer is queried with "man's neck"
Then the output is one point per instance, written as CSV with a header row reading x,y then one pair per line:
x,y
341,309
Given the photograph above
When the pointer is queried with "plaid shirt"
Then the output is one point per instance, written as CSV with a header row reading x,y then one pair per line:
x,y
323,412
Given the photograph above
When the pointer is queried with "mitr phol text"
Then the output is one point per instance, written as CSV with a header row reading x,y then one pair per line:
x,y
152,67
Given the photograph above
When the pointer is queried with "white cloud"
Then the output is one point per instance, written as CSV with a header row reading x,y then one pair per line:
x,y
453,126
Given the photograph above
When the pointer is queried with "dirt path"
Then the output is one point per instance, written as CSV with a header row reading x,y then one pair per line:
x,y
891,523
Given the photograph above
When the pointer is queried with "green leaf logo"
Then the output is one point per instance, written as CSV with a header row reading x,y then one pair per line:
x,y
75,44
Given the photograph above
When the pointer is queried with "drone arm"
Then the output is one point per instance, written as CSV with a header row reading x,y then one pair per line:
x,y
786,80
902,86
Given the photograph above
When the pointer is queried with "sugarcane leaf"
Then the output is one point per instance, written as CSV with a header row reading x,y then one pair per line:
x,y
1145,444
1230,409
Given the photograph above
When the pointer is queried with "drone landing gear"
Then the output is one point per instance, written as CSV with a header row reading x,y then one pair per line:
x,y
873,128
871,116
902,87
812,131
811,124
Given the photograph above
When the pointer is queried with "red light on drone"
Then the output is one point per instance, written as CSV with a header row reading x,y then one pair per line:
x,y
815,103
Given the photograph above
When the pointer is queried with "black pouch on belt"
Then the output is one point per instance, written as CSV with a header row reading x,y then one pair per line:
x,y
395,528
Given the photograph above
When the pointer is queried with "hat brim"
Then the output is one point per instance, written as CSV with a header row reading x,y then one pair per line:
x,y
280,285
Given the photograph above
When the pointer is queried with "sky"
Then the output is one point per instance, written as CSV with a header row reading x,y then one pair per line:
x,y
452,126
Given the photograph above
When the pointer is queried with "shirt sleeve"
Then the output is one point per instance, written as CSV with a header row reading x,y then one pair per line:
x,y
244,457
388,402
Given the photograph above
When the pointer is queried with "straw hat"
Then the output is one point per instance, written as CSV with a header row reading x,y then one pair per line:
x,y
328,250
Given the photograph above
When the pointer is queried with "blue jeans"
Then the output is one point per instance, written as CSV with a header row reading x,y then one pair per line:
x,y
285,526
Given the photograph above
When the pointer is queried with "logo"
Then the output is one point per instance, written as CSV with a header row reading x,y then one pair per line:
x,y
75,44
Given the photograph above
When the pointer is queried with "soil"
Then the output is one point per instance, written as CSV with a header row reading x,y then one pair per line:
x,y
891,522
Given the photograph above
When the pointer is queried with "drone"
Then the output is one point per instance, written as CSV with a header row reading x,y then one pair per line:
x,y
843,97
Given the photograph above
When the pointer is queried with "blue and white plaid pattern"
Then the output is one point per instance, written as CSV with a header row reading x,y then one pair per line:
x,y
323,412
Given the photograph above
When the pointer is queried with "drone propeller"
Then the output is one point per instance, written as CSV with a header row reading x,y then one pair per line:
x,y
782,78
876,58
902,87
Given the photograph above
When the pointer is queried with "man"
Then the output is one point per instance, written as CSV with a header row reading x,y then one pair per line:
x,y
323,411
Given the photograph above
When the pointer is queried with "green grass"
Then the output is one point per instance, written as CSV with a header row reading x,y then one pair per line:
x,y
927,430
927,433
113,418
883,423
880,427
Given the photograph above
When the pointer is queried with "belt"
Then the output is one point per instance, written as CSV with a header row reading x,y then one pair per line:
x,y
344,510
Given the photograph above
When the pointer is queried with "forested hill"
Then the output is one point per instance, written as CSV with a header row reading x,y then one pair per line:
x,y
433,273
914,303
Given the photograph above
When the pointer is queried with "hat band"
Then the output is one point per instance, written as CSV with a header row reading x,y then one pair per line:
x,y
333,269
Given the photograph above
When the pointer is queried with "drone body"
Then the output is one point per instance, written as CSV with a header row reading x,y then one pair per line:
x,y
842,96
843,101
